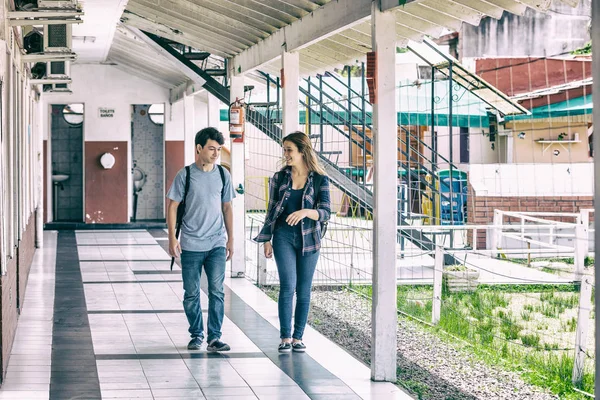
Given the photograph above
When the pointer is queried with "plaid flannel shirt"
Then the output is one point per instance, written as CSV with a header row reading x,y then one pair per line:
x,y
311,229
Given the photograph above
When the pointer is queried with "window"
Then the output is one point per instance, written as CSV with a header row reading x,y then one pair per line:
x,y
73,114
156,112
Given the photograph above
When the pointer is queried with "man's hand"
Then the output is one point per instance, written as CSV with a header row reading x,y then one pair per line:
x,y
174,248
297,216
268,250
229,249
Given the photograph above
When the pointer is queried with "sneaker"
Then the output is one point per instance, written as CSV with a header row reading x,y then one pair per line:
x,y
298,347
217,345
195,343
285,347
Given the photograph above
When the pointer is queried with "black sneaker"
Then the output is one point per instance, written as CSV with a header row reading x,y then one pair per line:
x,y
217,345
285,347
298,347
195,343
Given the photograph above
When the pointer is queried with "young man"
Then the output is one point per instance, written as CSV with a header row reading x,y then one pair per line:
x,y
208,214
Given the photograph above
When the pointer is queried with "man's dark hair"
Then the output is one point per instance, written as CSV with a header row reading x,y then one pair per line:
x,y
209,133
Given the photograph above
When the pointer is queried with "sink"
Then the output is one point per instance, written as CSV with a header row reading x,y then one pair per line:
x,y
59,178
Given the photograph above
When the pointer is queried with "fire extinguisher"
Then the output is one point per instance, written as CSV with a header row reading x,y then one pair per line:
x,y
236,120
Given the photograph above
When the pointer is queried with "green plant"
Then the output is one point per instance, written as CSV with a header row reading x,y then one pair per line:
x,y
550,346
485,329
510,329
526,315
587,49
530,340
570,325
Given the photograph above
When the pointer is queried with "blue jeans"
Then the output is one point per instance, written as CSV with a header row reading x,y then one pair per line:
x,y
295,275
191,270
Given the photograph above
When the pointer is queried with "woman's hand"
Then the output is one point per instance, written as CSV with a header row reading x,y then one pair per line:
x,y
268,250
297,216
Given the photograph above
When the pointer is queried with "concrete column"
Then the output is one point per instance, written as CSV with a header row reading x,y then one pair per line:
x,y
596,98
214,113
290,64
384,317
39,175
238,262
189,129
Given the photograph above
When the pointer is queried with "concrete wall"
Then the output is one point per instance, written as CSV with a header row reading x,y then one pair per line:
x,y
106,86
521,180
528,150
562,29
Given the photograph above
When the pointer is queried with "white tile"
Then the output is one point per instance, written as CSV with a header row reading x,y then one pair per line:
x,y
24,395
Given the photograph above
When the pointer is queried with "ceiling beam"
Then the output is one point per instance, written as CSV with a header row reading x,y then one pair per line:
x,y
387,5
325,21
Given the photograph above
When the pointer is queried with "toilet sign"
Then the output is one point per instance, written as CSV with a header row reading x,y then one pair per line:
x,y
106,112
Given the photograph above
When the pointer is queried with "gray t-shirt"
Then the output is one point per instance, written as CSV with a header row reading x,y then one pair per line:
x,y
203,226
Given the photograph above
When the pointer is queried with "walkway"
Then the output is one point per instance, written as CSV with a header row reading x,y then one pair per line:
x,y
102,318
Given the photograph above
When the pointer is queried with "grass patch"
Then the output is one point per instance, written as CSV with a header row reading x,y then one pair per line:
x,y
485,320
530,340
570,325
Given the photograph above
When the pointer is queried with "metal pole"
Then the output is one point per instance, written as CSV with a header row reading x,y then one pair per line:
x,y
364,126
450,100
321,113
433,147
268,113
350,116
309,122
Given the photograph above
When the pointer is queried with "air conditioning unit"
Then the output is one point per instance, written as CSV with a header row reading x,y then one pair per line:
x,y
56,88
57,38
58,69
38,71
33,42
30,5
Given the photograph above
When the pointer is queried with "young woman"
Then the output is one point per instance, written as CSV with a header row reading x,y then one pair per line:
x,y
297,208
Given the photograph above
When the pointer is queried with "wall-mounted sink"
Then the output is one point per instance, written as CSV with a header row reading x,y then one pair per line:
x,y
59,178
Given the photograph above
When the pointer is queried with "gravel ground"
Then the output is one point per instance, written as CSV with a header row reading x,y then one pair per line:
x,y
429,367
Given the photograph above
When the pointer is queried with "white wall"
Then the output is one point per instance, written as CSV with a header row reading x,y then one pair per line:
x,y
532,179
107,86
480,147
174,121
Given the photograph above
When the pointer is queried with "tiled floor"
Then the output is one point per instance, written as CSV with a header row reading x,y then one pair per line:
x,y
103,318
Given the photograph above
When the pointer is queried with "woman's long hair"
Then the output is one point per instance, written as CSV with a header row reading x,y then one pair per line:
x,y
302,142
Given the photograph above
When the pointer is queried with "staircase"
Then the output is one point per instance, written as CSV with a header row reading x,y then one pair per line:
x,y
355,126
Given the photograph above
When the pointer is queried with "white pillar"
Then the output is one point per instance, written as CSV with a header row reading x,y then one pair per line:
x,y
189,129
40,170
238,262
596,99
290,65
384,317
214,110
438,276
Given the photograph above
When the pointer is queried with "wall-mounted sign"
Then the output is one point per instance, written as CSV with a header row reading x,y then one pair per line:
x,y
106,112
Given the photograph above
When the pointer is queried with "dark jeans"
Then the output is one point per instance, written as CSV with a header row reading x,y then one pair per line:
x,y
295,275
191,270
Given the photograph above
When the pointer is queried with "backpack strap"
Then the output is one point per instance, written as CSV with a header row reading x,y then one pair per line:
x,y
181,208
187,185
222,171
